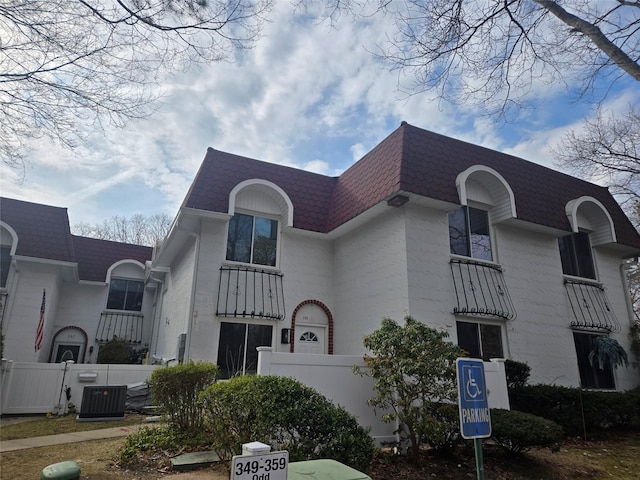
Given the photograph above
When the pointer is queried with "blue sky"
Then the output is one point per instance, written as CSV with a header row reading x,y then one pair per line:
x,y
306,96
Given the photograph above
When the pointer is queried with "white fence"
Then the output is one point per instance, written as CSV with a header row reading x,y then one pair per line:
x,y
37,388
333,376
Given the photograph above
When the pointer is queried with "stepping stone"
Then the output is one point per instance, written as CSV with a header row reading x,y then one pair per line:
x,y
193,460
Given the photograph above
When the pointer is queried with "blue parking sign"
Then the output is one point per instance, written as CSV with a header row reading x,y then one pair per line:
x,y
475,421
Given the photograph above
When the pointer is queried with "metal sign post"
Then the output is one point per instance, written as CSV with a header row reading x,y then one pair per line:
x,y
475,421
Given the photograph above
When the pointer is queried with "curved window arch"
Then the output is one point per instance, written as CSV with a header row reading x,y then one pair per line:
x,y
267,189
590,215
8,245
485,185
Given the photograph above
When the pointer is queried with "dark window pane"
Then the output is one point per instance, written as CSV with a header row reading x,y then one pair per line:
x,y
491,336
239,240
259,336
479,228
231,349
5,263
468,338
135,290
117,294
576,256
458,239
125,294
233,358
265,241
583,255
590,375
567,257
252,240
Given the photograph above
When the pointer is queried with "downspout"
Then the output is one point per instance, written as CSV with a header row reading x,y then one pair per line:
x,y
158,315
627,292
192,300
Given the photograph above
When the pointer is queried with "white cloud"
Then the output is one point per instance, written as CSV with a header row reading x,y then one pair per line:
x,y
307,96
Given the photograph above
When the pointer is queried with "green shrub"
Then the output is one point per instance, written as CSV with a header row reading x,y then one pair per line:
x,y
570,407
517,373
517,432
442,428
114,351
176,390
413,370
159,441
285,414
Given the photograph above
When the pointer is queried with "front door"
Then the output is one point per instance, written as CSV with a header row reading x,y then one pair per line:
x,y
310,339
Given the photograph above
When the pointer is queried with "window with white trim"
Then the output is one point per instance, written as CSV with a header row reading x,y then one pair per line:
x,y
576,255
252,239
480,340
237,354
125,294
469,233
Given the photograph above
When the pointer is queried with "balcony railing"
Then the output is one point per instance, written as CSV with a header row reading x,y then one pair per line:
x,y
250,293
124,325
480,290
590,306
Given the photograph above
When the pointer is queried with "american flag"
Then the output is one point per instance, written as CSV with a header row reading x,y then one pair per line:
x,y
40,323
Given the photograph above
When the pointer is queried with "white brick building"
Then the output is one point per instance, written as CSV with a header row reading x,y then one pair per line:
x,y
513,259
81,291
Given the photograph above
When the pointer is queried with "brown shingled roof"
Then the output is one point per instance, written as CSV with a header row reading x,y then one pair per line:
x,y
95,256
220,172
43,232
410,159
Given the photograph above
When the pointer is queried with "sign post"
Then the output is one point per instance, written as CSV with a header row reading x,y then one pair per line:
x,y
475,421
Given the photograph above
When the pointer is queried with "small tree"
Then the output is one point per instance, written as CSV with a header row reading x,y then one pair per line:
x,y
608,353
414,373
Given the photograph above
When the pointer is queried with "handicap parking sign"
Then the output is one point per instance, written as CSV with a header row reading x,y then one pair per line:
x,y
475,421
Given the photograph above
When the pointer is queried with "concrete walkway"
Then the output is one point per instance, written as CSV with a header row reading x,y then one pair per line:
x,y
32,442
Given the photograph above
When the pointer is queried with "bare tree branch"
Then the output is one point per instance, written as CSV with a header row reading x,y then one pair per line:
x,y
606,149
70,66
137,229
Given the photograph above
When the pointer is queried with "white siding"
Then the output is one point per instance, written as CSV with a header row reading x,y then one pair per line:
x,y
370,279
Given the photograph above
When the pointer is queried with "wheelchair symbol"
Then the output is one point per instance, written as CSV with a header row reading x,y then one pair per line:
x,y
472,391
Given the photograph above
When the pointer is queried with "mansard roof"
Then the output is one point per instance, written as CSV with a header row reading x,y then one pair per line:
x,y
409,160
95,256
43,232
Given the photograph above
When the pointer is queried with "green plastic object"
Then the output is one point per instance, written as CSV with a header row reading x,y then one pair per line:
x,y
323,470
61,471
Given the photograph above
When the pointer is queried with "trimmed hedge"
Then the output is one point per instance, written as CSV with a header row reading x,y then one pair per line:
x,y
285,414
564,405
176,390
517,432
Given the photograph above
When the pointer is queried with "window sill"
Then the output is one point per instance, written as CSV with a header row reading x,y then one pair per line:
x,y
462,258
251,266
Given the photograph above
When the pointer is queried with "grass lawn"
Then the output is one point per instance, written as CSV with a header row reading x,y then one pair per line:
x,y
615,455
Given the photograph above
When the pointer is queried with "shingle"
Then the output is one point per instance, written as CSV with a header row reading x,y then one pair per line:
x,y
410,159
43,232
95,256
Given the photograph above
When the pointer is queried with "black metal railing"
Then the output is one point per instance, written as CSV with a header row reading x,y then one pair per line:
x,y
250,293
590,306
480,289
124,325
